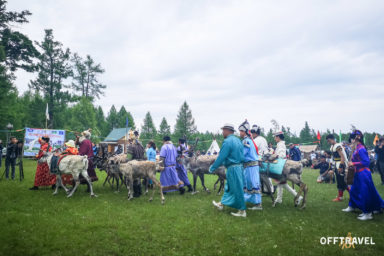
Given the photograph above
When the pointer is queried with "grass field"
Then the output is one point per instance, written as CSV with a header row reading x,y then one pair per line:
x,y
37,223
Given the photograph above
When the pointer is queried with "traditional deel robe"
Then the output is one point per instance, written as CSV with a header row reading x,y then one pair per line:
x,y
336,158
43,176
262,145
281,149
181,171
252,193
151,155
363,194
168,178
85,149
232,157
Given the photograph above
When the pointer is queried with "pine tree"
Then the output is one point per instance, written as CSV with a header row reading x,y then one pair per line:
x,y
305,134
122,119
85,75
165,128
112,119
102,124
54,68
148,130
185,123
83,116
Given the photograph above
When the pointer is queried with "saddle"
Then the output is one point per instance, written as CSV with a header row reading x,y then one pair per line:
x,y
273,169
56,159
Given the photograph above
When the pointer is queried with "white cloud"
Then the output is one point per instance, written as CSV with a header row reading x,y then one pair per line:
x,y
293,61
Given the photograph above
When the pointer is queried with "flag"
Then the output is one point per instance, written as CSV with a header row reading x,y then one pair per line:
x,y
47,113
376,139
340,137
318,135
126,122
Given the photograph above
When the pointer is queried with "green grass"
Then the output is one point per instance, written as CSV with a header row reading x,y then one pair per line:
x,y
37,223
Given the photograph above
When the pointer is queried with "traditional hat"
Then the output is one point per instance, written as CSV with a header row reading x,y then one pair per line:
x,y
46,139
255,128
278,133
70,144
87,133
354,134
244,126
228,127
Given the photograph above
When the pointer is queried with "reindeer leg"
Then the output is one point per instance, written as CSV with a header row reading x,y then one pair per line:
x,y
85,175
305,189
214,185
130,180
202,182
106,179
62,185
58,178
77,182
194,183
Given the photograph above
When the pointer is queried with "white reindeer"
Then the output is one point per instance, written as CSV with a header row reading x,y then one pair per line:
x,y
71,164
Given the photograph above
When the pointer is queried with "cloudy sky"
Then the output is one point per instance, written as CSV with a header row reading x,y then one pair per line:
x,y
320,61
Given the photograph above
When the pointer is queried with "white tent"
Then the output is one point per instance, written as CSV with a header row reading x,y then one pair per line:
x,y
213,148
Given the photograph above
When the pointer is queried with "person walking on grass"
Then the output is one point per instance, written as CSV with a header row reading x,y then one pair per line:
x,y
168,177
363,194
43,177
252,191
340,159
379,150
10,158
232,157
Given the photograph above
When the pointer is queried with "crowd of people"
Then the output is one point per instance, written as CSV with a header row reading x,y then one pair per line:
x,y
241,157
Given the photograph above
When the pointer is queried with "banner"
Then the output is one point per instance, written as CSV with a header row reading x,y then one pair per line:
x,y
32,135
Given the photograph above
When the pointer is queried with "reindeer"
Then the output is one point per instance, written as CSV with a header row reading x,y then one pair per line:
x,y
292,171
135,169
71,164
199,165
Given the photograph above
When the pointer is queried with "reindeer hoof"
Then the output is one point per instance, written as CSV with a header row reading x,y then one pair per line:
x,y
94,195
150,199
208,191
162,202
194,193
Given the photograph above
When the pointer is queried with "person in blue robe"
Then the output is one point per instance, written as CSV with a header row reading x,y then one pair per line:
x,y
181,171
232,157
151,155
168,178
363,193
252,192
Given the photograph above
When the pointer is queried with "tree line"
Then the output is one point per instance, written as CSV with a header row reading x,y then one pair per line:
x,y
69,83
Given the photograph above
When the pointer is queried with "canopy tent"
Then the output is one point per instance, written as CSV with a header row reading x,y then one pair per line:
x,y
213,148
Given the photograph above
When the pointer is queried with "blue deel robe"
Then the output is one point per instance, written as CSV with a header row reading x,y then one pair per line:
x,y
168,177
151,155
252,192
232,157
363,194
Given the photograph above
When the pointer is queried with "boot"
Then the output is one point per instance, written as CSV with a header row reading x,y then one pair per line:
x,y
182,190
34,188
190,189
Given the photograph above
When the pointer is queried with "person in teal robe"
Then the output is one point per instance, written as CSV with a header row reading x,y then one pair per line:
x,y
232,157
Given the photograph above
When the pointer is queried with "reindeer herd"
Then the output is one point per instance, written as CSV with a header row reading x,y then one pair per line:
x,y
123,172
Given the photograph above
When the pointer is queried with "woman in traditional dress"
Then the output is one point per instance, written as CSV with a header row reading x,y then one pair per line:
x,y
151,155
363,194
252,192
43,177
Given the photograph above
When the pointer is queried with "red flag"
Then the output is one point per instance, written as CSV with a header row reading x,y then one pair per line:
x,y
318,135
